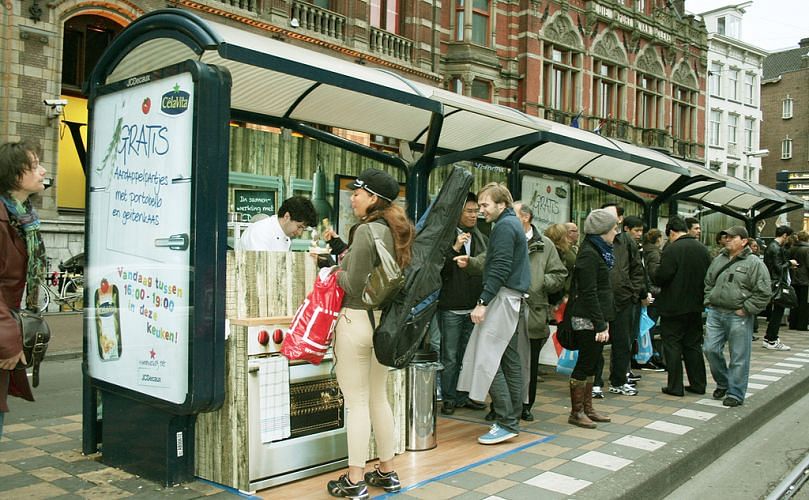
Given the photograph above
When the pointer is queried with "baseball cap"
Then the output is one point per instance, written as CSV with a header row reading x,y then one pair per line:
x,y
736,231
377,182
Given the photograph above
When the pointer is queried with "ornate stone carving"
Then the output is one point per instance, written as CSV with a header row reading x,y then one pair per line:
x,y
608,47
562,31
649,62
683,75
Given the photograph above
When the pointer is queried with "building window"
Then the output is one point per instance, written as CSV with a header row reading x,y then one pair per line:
x,y
715,82
733,125
714,127
608,89
640,5
482,90
561,75
749,88
478,12
683,112
732,170
729,26
456,85
85,39
648,101
385,15
749,125
786,108
786,148
733,84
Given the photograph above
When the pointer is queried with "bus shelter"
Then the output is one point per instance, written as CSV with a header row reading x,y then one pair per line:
x,y
225,73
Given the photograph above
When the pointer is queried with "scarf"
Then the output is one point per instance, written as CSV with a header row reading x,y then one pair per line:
x,y
25,220
604,248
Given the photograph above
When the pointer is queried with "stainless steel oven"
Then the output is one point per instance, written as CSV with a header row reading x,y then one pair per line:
x,y
317,441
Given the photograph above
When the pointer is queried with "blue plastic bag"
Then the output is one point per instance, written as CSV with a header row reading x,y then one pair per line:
x,y
645,349
567,362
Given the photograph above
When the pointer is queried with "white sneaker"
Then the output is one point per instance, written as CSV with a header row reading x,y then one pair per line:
x,y
625,390
597,392
775,346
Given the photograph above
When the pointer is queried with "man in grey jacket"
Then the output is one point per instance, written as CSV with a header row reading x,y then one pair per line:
x,y
737,287
548,274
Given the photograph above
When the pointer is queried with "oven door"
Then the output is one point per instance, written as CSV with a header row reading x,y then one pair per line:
x,y
318,442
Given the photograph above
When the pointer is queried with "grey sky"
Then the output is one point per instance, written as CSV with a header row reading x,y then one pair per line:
x,y
768,24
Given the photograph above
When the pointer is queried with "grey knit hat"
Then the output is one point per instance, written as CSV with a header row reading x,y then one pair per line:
x,y
600,221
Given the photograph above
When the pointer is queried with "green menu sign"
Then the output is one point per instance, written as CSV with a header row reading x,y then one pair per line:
x,y
252,201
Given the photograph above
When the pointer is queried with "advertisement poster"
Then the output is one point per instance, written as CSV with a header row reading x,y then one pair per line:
x,y
548,198
137,318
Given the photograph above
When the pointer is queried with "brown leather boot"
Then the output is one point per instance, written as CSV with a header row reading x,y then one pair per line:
x,y
577,415
588,403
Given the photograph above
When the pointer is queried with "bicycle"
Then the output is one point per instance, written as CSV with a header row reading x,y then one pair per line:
x,y
63,288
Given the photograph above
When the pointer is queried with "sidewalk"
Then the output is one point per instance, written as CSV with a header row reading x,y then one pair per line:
x,y
654,443
66,335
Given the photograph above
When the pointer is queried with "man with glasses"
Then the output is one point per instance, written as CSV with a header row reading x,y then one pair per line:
x,y
274,233
459,294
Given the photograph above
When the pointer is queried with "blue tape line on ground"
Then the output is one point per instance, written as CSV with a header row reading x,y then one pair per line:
x,y
229,489
467,467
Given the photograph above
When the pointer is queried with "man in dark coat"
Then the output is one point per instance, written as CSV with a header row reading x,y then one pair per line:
x,y
778,264
459,294
681,277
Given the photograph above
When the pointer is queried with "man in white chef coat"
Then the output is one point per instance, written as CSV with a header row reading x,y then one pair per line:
x,y
275,233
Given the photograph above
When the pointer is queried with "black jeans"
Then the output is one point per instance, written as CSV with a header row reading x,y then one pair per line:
x,y
589,355
536,347
621,337
682,342
799,316
776,315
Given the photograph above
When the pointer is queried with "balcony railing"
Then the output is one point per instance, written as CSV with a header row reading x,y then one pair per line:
x,y
684,149
387,44
319,20
250,5
654,138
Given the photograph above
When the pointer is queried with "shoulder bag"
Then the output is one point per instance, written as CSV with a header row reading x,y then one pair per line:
x,y
35,337
387,278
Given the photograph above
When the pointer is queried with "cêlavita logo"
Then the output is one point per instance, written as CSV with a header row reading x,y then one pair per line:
x,y
174,102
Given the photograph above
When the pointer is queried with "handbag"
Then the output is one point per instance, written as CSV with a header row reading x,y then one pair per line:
x,y
386,279
312,327
35,337
784,295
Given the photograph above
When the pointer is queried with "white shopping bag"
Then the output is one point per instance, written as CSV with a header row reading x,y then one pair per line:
x,y
549,355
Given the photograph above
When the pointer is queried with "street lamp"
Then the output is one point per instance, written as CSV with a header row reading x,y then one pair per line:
x,y
759,153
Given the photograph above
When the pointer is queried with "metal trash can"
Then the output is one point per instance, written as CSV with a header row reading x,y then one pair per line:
x,y
421,404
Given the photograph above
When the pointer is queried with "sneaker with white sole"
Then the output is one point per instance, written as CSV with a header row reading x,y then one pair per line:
x,y
597,392
496,435
624,390
775,346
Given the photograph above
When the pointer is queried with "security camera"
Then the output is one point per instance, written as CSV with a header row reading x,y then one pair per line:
x,y
55,107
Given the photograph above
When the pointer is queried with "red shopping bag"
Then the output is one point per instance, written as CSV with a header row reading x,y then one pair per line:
x,y
312,327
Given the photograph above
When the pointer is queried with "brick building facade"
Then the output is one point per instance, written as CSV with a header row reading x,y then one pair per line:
x,y
634,70
785,105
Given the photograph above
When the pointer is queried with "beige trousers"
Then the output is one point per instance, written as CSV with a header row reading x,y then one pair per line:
x,y
363,382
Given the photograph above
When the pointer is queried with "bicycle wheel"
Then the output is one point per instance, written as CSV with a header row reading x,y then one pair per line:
x,y
74,293
44,298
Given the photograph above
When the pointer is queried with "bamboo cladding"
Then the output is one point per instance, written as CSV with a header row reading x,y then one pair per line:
x,y
263,284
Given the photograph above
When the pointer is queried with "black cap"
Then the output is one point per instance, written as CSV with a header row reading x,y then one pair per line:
x,y
377,182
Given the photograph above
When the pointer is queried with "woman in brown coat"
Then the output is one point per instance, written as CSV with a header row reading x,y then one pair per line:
x,y
23,261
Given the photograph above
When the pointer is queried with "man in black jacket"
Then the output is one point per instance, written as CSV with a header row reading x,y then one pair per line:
x,y
681,277
459,294
775,258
